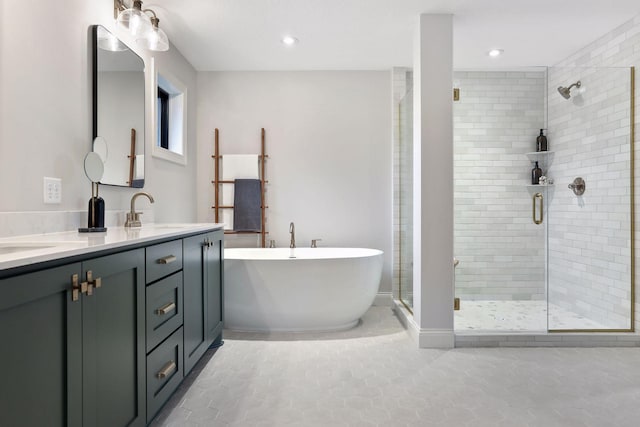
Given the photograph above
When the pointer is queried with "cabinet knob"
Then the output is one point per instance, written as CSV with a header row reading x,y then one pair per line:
x,y
91,284
75,288
97,282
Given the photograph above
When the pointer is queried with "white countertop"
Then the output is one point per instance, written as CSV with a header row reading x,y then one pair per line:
x,y
19,251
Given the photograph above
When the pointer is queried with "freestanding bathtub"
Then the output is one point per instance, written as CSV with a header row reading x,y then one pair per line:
x,y
321,289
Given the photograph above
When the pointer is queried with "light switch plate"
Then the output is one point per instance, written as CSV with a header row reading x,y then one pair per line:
x,y
52,190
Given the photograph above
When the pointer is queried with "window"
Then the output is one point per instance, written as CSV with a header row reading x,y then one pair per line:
x,y
171,116
163,119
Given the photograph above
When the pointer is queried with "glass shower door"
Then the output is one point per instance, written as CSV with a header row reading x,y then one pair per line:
x,y
500,277
590,211
405,202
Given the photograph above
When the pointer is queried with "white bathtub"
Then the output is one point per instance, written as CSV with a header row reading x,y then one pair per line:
x,y
321,289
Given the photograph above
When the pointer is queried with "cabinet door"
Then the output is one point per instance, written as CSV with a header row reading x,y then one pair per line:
x,y
194,297
114,341
40,332
214,280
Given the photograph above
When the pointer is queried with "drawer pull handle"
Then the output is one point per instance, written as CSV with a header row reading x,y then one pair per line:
x,y
166,370
166,309
167,260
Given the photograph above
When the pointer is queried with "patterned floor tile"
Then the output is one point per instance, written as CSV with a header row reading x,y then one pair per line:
x,y
374,375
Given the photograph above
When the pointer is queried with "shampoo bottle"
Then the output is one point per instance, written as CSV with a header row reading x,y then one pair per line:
x,y
541,142
536,173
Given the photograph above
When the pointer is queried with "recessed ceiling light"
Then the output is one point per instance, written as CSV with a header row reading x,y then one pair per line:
x,y
494,53
289,40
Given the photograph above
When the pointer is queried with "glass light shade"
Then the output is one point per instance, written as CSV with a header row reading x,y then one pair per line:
x,y
135,21
155,40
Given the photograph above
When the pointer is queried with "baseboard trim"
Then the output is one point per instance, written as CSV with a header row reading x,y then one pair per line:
x,y
436,338
424,338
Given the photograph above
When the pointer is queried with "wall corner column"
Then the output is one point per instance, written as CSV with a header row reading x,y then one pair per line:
x,y
433,285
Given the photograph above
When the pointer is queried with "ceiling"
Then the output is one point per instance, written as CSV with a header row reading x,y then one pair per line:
x,y
378,34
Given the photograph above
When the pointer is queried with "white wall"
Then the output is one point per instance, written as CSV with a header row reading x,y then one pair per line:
x,y
45,112
328,137
433,180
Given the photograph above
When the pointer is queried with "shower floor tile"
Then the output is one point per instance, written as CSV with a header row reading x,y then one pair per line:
x,y
517,316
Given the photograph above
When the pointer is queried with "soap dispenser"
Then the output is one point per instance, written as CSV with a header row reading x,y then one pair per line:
x,y
541,142
536,173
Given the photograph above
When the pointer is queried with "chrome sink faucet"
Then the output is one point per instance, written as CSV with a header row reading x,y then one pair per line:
x,y
133,217
292,232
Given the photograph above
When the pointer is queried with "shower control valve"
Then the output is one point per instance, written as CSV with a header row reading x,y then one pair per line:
x,y
578,186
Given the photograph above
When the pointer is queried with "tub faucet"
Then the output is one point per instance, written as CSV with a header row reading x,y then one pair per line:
x,y
133,217
292,231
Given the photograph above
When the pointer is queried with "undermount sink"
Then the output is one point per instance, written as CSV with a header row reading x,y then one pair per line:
x,y
13,248
16,247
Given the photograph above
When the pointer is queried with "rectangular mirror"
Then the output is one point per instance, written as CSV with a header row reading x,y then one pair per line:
x,y
118,109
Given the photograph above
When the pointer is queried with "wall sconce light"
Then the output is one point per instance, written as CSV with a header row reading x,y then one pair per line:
x,y
140,26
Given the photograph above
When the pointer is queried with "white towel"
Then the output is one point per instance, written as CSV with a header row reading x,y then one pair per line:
x,y
239,166
139,166
235,166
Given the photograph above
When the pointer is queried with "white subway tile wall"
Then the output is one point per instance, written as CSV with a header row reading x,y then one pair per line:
x,y
501,251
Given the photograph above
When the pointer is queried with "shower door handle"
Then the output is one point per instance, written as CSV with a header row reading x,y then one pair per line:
x,y
536,197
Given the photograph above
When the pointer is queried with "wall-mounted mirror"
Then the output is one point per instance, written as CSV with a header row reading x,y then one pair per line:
x,y
118,108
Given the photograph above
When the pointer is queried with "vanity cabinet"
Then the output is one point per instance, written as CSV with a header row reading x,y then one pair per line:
x,y
113,341
203,256
106,340
41,354
73,362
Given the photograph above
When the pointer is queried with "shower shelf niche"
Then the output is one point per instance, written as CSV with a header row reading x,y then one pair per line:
x,y
544,159
539,186
537,156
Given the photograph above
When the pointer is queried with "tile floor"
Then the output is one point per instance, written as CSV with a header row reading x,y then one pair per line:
x,y
519,316
374,375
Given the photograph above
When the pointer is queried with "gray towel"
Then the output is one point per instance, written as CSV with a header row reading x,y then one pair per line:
x,y
247,215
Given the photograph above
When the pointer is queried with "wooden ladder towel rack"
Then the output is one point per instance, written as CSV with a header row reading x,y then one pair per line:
x,y
217,182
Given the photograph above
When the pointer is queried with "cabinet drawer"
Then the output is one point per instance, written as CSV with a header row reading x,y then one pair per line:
x,y
165,369
163,259
164,309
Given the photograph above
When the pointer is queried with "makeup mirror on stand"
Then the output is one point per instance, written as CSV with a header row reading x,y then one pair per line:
x,y
94,169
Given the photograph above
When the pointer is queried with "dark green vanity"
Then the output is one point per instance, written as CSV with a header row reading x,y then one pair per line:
x,y
103,338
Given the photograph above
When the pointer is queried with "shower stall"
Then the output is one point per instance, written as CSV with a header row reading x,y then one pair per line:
x,y
537,257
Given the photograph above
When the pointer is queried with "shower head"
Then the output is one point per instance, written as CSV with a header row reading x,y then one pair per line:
x,y
566,91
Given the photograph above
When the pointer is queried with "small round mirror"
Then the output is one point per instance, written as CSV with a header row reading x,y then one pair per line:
x,y
93,167
100,147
